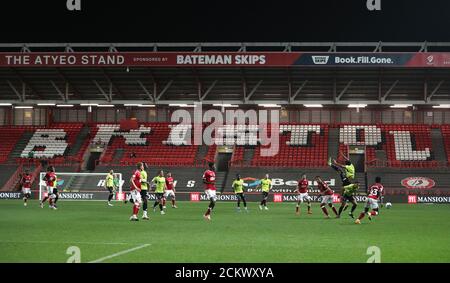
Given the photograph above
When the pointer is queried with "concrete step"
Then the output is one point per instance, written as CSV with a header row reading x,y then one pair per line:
x,y
76,182
20,145
81,138
438,147
118,154
220,180
381,155
249,153
333,142
201,152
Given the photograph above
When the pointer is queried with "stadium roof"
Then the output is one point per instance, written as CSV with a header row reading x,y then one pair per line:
x,y
231,84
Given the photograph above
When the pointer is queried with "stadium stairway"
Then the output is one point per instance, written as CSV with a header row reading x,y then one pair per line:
x,y
21,144
437,142
76,182
80,141
362,179
118,154
201,152
221,178
333,142
249,153
6,173
380,155
15,180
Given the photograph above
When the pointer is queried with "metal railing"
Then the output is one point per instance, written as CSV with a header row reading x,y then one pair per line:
x,y
407,164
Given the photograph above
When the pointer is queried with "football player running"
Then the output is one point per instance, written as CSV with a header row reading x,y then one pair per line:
x,y
135,191
302,190
375,193
209,179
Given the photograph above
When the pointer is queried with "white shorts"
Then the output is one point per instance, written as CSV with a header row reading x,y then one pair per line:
x,y
136,196
168,193
303,197
211,194
26,191
49,190
371,203
327,199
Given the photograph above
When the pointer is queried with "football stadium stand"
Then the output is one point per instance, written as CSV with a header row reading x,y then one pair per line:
x,y
303,148
299,146
446,136
9,136
150,143
405,146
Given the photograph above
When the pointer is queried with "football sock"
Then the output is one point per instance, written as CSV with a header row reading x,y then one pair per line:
x,y
340,209
353,208
135,209
325,211
173,202
145,205
334,210
212,204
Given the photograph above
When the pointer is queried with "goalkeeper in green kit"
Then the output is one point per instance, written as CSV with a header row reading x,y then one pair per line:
x,y
160,188
238,187
110,185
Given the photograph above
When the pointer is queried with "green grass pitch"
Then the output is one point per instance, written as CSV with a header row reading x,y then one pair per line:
x,y
405,233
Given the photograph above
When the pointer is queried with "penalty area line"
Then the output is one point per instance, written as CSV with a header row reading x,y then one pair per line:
x,y
119,253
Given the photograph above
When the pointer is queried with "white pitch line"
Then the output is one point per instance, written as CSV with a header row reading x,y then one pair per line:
x,y
119,253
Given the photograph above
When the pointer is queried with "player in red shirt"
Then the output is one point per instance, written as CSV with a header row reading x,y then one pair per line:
x,y
209,179
26,186
302,190
327,196
135,194
170,190
50,184
374,196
